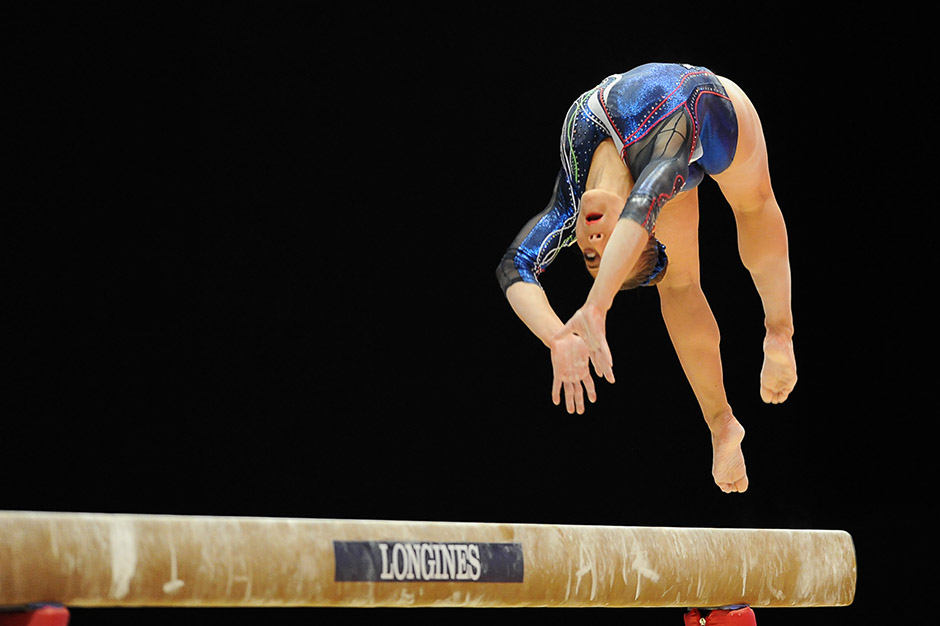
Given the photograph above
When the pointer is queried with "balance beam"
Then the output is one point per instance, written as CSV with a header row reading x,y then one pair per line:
x,y
110,560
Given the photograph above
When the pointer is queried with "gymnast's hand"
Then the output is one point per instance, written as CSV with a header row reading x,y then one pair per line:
x,y
570,367
588,323
580,341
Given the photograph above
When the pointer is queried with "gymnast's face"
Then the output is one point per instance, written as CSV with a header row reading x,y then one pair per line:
x,y
600,211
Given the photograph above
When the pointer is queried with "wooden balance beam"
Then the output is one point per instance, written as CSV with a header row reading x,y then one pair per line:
x,y
107,560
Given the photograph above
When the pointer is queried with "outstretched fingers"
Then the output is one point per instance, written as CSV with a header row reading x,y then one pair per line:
x,y
571,372
588,324
588,383
574,393
603,362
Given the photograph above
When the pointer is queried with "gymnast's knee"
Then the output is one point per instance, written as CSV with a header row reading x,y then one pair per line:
x,y
680,285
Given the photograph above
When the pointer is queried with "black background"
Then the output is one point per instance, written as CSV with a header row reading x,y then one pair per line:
x,y
250,271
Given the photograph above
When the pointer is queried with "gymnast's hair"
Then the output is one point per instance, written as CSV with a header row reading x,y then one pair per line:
x,y
650,267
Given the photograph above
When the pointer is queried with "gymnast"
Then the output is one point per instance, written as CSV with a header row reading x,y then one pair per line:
x,y
633,151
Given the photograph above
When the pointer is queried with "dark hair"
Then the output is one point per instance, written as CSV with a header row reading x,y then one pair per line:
x,y
650,267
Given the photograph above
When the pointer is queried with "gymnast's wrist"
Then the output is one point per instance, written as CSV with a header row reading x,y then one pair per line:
x,y
598,300
551,341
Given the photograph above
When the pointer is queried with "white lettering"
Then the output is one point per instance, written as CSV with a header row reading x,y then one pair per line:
x,y
450,565
399,561
430,561
426,562
461,562
386,572
473,558
414,562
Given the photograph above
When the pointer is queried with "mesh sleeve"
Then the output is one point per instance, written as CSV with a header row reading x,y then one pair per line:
x,y
660,166
540,240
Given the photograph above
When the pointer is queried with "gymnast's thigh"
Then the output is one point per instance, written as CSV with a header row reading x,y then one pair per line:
x,y
746,181
677,229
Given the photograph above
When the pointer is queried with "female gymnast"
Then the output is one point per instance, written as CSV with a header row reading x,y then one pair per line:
x,y
629,146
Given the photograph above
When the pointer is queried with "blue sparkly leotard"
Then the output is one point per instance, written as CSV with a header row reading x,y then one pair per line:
x,y
671,124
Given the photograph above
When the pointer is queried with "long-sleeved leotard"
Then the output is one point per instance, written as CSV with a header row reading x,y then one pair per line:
x,y
670,123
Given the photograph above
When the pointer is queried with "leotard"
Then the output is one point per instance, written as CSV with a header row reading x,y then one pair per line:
x,y
670,123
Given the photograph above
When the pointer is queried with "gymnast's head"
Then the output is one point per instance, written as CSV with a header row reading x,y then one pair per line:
x,y
600,211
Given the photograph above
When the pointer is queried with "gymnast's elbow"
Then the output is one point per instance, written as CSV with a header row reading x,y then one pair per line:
x,y
506,274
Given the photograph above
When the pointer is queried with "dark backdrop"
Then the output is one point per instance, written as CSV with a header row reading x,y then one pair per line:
x,y
251,272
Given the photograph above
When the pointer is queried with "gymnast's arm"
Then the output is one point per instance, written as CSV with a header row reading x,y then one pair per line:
x,y
660,166
531,305
535,246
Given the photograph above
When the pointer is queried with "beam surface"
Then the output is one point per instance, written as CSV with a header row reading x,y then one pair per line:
x,y
110,560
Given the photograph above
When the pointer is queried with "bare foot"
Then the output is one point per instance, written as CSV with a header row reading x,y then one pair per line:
x,y
778,376
728,461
